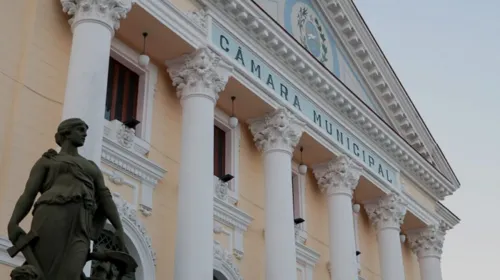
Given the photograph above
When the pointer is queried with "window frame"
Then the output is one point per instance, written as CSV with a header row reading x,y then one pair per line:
x,y
232,152
148,77
223,152
299,190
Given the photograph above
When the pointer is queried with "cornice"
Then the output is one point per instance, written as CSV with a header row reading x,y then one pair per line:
x,y
378,73
272,38
131,163
306,255
230,215
447,217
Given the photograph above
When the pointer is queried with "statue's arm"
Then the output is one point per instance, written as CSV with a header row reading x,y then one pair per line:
x,y
25,202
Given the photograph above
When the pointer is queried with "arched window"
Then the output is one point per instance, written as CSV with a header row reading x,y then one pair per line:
x,y
106,241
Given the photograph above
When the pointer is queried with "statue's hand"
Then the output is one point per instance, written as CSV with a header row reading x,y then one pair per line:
x,y
14,231
120,239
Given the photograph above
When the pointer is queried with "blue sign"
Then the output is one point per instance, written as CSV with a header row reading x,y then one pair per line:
x,y
282,88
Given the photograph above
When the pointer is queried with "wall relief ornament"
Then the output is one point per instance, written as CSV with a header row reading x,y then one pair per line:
x,y
223,261
340,175
128,215
388,211
198,17
221,189
125,136
109,12
428,242
279,130
201,72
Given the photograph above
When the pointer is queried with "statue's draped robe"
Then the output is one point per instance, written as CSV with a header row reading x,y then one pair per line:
x,y
67,216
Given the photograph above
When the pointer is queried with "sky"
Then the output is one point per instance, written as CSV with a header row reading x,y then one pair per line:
x,y
446,55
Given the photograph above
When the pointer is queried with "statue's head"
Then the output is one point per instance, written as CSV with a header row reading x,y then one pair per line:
x,y
73,130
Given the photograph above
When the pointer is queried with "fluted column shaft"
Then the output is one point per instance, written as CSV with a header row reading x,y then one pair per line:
x,y
276,135
199,77
387,215
93,23
338,179
428,245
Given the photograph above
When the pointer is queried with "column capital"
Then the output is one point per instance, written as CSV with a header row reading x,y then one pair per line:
x,y
106,12
278,130
339,176
387,212
428,242
200,73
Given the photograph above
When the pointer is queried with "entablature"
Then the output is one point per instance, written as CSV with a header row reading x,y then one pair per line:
x,y
245,15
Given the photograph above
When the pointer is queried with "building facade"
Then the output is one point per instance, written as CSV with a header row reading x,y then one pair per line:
x,y
265,139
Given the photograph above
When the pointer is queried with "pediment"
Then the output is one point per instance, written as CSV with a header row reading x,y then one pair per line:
x,y
306,23
335,34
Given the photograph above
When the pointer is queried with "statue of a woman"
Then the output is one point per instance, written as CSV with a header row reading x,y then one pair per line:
x,y
72,208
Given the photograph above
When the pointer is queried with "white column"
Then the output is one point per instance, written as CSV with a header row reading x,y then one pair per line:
x,y
93,24
338,179
199,78
428,245
276,135
387,215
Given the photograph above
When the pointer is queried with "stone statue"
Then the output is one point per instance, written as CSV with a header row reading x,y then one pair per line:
x,y
71,211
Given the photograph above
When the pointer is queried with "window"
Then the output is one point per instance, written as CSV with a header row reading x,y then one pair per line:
x,y
296,196
219,152
226,152
130,93
122,92
299,211
106,241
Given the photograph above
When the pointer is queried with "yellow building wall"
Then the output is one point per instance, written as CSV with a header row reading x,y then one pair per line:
x,y
33,70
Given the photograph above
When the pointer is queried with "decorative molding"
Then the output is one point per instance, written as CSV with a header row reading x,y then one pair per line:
x,y
306,255
4,256
198,17
279,130
378,72
147,88
135,165
284,50
307,258
300,235
447,216
221,189
387,212
129,217
201,72
428,242
106,12
231,216
118,179
339,176
233,136
223,262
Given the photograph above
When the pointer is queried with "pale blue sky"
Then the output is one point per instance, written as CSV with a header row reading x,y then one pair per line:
x,y
446,54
